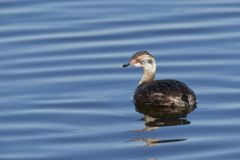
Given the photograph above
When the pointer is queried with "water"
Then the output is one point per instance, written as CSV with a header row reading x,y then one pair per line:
x,y
64,94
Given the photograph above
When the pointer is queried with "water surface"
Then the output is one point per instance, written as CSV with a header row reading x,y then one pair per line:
x,y
64,94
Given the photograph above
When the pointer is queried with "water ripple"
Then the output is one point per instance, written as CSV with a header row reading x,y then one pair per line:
x,y
64,94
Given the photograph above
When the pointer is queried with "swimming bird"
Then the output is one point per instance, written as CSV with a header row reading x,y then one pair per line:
x,y
169,96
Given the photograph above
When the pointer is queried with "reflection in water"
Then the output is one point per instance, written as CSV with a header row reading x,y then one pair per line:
x,y
152,123
165,112
153,119
154,142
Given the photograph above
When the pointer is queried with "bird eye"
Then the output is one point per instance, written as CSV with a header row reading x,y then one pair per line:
x,y
149,61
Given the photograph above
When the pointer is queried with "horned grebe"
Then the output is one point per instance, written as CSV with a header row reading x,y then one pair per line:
x,y
171,97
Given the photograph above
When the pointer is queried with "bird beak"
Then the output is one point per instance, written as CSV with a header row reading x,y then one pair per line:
x,y
126,65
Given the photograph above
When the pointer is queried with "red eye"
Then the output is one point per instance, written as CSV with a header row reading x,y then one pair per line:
x,y
137,61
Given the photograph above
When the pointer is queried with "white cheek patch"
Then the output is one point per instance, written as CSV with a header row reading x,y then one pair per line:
x,y
148,64
137,65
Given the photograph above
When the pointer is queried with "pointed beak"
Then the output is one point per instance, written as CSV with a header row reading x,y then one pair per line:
x,y
126,65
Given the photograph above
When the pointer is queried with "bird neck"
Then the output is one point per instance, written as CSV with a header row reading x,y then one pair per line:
x,y
148,73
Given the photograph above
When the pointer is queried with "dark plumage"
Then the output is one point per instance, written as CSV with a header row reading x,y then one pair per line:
x,y
165,97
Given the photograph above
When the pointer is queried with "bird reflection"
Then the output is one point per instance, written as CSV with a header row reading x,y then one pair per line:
x,y
154,142
152,123
154,119
164,112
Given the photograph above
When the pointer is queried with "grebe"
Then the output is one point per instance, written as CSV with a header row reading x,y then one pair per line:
x,y
170,97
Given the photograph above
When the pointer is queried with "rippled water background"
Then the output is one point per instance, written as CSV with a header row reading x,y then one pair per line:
x,y
64,94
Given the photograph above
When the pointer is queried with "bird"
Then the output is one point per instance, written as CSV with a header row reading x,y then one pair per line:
x,y
169,96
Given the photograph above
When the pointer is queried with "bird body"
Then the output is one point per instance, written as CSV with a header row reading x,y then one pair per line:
x,y
172,97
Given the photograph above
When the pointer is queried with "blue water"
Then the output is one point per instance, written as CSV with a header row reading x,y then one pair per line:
x,y
65,96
